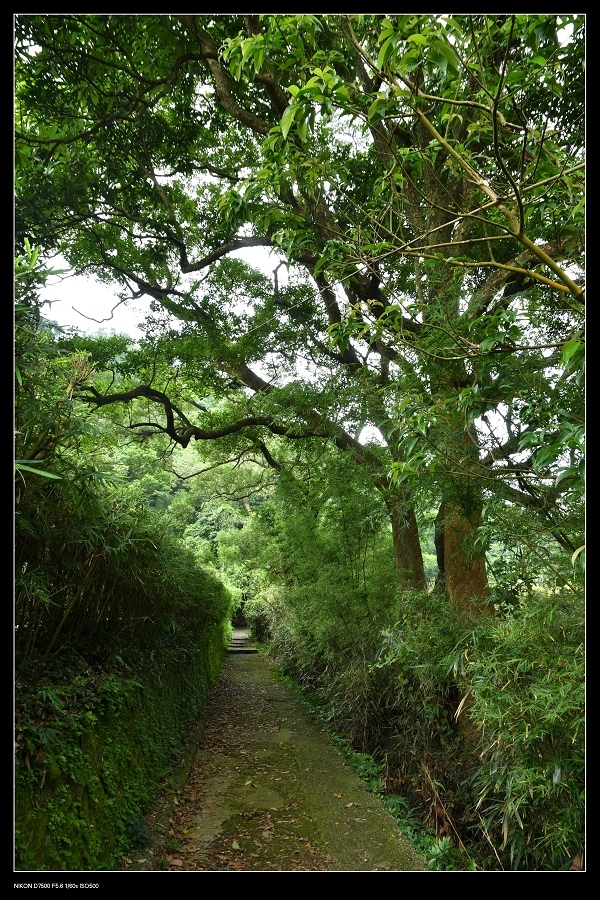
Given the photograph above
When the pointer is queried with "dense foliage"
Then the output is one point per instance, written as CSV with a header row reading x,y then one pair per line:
x,y
108,601
396,409
94,564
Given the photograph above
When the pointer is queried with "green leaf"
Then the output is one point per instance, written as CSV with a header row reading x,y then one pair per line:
x,y
387,30
341,91
448,53
438,60
320,264
515,76
386,51
376,105
288,118
577,553
410,444
566,473
569,350
490,342
409,61
19,467
247,48
401,92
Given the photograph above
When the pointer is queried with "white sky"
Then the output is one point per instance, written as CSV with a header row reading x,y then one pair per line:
x,y
69,299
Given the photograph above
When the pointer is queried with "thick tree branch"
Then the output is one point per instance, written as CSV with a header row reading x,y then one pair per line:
x,y
513,275
316,426
235,244
210,52
271,461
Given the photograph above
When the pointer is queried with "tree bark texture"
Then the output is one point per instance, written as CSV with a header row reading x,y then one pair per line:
x,y
407,547
464,571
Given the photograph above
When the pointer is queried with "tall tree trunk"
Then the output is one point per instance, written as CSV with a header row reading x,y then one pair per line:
x,y
462,569
407,547
462,573
440,580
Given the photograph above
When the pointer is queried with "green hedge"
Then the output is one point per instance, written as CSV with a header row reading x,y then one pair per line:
x,y
93,743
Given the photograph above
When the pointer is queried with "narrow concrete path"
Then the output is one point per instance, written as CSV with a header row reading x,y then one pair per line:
x,y
264,789
241,642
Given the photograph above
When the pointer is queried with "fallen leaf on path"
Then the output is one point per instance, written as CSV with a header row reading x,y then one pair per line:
x,y
336,795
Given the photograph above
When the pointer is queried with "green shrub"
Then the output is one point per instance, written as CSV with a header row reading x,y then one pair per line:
x,y
94,741
527,679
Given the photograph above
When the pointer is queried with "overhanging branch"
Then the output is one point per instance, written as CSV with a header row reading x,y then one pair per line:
x,y
316,426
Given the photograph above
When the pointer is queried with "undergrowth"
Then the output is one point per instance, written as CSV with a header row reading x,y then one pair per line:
x,y
479,724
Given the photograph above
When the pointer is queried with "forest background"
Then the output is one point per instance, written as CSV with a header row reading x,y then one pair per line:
x,y
373,451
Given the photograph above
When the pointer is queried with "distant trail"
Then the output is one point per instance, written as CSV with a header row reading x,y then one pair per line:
x,y
264,789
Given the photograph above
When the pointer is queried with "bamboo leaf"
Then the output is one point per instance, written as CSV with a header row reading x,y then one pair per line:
x,y
577,554
19,467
